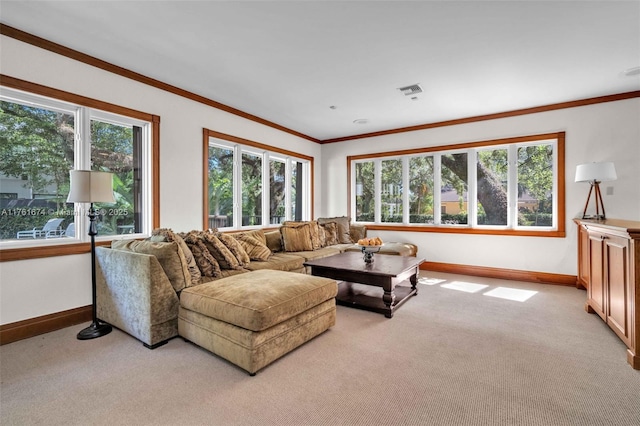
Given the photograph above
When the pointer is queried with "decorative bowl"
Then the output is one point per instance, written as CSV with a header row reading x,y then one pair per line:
x,y
369,249
368,252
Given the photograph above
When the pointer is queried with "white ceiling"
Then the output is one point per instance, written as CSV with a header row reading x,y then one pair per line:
x,y
290,61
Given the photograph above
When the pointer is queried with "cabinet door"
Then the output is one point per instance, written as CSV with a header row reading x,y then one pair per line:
x,y
596,291
583,256
618,289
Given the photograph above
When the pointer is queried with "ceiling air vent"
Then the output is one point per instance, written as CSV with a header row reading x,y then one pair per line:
x,y
411,90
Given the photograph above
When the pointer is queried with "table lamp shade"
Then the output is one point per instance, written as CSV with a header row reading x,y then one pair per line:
x,y
90,187
601,172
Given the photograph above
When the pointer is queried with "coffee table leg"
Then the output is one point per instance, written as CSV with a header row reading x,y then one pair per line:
x,y
389,298
414,281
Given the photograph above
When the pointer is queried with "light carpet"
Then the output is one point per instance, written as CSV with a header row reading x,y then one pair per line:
x,y
449,356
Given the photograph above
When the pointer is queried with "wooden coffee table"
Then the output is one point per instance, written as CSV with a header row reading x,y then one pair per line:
x,y
386,271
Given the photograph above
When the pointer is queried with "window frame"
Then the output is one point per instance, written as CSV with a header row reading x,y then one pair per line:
x,y
239,146
28,92
559,217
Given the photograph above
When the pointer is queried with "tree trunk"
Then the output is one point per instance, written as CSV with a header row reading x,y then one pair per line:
x,y
491,194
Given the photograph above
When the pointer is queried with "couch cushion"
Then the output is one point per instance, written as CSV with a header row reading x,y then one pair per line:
x,y
318,254
398,249
342,224
296,237
258,300
220,252
207,264
316,240
256,249
330,230
274,240
258,234
167,254
184,251
278,262
234,247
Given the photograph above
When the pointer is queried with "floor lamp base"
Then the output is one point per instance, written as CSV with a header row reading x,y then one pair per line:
x,y
96,329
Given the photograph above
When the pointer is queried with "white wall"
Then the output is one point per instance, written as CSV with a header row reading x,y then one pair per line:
x,y
611,131
31,288
601,132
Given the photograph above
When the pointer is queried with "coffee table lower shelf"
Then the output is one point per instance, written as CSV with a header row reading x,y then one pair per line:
x,y
354,295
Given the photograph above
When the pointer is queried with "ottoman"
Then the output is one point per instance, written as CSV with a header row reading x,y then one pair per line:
x,y
254,318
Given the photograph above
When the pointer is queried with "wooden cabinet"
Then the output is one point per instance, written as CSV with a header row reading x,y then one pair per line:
x,y
608,255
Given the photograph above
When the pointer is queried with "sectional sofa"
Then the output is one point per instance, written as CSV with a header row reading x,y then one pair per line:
x,y
139,283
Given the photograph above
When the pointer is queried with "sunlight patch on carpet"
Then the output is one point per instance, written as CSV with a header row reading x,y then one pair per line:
x,y
464,286
430,281
511,294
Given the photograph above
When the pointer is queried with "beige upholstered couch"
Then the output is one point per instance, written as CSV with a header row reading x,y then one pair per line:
x,y
139,282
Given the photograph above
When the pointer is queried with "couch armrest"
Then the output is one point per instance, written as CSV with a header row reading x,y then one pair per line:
x,y
357,231
134,294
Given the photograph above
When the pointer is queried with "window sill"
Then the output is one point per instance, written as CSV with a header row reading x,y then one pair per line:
x,y
25,253
443,229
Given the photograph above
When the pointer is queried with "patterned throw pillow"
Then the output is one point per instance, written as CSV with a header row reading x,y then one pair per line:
x,y
254,248
342,223
296,238
258,234
330,233
207,264
316,241
234,247
184,252
220,252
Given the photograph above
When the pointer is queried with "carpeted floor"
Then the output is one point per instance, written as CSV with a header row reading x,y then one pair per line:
x,y
448,357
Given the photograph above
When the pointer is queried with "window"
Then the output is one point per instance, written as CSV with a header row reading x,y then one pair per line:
x,y
237,173
507,186
41,139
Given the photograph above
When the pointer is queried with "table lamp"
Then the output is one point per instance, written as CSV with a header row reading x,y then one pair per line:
x,y
595,173
92,187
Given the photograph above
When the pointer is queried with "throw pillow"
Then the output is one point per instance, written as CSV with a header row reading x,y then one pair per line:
x,y
220,252
343,228
168,256
330,233
274,240
207,264
296,238
234,247
254,248
184,251
313,229
258,234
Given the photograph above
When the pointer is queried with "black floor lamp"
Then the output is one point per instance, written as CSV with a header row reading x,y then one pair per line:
x,y
92,187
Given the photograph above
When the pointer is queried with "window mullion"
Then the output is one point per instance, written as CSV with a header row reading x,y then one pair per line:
x,y
512,187
377,217
437,189
237,186
405,189
288,177
82,161
266,189
472,188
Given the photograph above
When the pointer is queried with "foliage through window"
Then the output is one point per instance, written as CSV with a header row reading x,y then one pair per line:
x,y
514,184
238,172
41,139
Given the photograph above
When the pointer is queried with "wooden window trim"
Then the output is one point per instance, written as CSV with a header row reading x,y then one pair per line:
x,y
557,233
51,250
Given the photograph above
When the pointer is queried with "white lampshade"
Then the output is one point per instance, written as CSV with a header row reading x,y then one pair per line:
x,y
90,187
601,172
